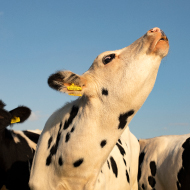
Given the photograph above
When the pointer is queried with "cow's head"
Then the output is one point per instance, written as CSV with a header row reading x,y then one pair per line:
x,y
17,115
128,73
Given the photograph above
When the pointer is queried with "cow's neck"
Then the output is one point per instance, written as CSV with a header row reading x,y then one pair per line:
x,y
97,127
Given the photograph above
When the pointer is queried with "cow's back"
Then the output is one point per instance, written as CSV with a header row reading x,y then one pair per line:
x,y
160,162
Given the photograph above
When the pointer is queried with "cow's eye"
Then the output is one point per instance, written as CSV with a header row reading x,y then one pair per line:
x,y
108,58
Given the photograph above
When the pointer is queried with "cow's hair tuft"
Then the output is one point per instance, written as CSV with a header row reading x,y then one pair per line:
x,y
55,81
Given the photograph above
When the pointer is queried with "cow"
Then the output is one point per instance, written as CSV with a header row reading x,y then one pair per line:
x,y
17,149
78,138
164,163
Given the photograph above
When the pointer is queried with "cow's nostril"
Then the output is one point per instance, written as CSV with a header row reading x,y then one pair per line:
x,y
156,29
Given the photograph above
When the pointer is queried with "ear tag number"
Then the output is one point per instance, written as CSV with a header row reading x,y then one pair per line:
x,y
73,87
15,119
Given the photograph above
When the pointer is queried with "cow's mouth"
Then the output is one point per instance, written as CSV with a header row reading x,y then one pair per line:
x,y
164,38
160,44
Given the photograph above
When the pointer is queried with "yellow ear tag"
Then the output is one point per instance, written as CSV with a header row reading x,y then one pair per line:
x,y
15,119
73,87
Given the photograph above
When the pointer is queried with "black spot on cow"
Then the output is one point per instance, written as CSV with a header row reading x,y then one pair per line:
x,y
49,142
73,128
183,175
121,149
73,114
151,181
186,154
103,143
127,175
67,137
143,187
60,161
153,168
114,166
123,119
141,158
54,148
124,162
108,164
78,162
104,92
119,141
48,160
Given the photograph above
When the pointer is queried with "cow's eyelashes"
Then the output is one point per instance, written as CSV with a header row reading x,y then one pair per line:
x,y
108,58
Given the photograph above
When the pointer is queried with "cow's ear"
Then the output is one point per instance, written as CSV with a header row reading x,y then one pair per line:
x,y
20,114
5,119
67,82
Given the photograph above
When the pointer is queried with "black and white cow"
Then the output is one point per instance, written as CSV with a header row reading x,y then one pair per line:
x,y
164,163
17,149
74,149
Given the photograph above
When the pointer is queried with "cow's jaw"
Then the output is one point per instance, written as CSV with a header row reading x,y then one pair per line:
x,y
141,74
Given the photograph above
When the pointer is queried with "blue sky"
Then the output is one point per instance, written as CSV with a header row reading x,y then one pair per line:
x,y
40,37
